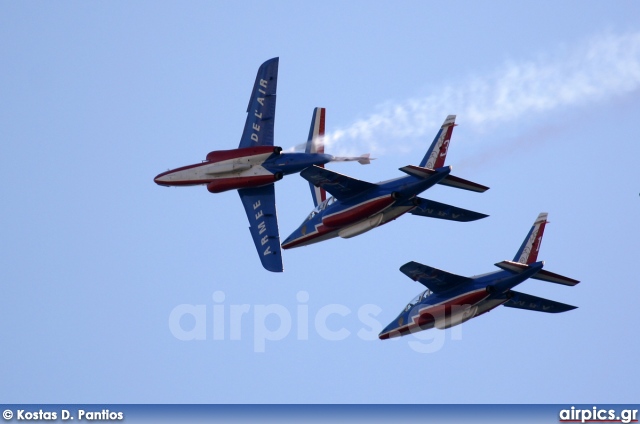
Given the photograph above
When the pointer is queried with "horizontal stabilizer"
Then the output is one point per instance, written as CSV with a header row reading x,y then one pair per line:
x,y
543,274
515,267
449,180
434,279
533,303
339,185
456,182
418,171
432,209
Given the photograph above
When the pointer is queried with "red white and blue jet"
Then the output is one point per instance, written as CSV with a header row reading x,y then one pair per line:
x,y
359,206
451,299
255,165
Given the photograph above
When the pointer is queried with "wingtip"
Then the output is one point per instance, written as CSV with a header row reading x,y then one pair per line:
x,y
275,270
566,308
271,61
481,216
270,267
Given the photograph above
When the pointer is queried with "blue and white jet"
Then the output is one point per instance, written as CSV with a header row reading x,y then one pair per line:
x,y
358,206
451,299
255,165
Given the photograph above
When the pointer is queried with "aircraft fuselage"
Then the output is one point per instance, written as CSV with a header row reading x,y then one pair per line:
x,y
443,310
350,217
224,170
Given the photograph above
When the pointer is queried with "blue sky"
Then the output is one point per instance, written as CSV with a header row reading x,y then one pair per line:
x,y
97,98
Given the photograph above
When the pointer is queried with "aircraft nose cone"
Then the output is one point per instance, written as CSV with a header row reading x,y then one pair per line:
x,y
285,243
292,240
383,336
161,180
389,331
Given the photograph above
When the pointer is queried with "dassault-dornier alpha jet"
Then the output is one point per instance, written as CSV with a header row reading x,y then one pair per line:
x,y
359,206
253,167
451,299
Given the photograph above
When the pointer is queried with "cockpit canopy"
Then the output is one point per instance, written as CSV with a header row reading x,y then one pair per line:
x,y
419,298
322,206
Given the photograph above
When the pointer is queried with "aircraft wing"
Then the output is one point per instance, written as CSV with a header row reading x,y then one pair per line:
x,y
434,279
260,205
533,303
338,185
432,209
261,111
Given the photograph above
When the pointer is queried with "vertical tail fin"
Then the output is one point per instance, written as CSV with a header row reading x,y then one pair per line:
x,y
437,153
315,144
316,131
528,252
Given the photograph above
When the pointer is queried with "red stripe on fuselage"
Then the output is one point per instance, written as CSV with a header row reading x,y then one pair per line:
x,y
215,157
221,155
224,184
430,313
444,309
327,233
320,230
357,213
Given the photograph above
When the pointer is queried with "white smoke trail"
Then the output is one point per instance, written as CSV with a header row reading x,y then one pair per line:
x,y
604,67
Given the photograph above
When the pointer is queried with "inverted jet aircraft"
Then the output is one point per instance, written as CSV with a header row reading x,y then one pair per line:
x,y
253,167
359,206
451,299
